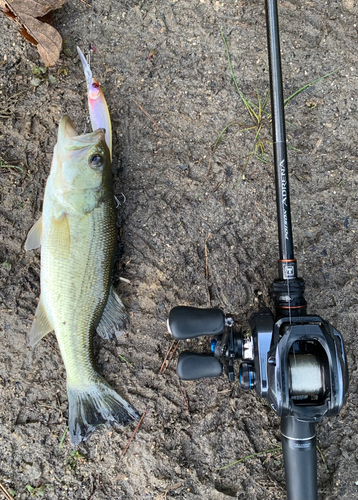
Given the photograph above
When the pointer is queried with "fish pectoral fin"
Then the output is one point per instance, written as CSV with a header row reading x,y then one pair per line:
x,y
34,237
114,319
61,239
40,326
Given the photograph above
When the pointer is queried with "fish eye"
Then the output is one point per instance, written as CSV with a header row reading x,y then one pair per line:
x,y
95,85
96,161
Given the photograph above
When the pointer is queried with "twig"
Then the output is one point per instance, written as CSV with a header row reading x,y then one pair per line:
x,y
185,397
209,295
323,459
6,493
163,496
150,117
59,404
206,257
166,356
54,348
172,354
88,5
134,433
214,190
209,168
163,368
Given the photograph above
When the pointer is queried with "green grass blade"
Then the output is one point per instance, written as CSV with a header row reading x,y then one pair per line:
x,y
260,107
248,107
16,167
273,450
225,129
259,145
266,100
258,132
222,133
309,85
261,159
125,360
62,439
258,98
294,149
251,111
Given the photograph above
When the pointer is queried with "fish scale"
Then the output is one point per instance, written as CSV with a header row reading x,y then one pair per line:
x,y
83,279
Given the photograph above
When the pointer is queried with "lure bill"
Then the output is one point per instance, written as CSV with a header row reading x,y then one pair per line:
x,y
77,235
97,105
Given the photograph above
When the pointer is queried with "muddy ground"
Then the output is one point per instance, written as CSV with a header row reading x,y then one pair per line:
x,y
197,227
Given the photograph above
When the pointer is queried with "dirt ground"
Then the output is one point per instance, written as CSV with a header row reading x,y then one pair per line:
x,y
197,227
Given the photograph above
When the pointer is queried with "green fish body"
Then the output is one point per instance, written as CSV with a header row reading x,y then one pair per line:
x,y
77,234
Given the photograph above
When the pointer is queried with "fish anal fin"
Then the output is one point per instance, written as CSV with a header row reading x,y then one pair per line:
x,y
33,239
40,326
114,319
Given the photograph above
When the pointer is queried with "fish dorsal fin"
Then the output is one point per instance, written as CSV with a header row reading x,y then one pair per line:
x,y
33,239
114,319
40,326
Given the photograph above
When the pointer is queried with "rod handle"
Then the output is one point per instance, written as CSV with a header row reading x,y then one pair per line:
x,y
190,322
192,366
300,458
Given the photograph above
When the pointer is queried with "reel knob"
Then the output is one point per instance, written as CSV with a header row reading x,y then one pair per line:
x,y
193,366
190,322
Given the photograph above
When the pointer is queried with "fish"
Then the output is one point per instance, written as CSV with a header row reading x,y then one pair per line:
x,y
97,105
77,236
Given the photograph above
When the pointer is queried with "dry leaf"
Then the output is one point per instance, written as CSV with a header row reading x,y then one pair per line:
x,y
34,8
49,40
26,13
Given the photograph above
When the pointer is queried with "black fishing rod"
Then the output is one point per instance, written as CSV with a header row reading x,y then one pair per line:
x,y
296,361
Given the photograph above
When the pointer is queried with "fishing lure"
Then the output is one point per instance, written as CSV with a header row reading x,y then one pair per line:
x,y
97,105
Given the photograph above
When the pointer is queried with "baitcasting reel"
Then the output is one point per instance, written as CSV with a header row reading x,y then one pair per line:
x,y
297,363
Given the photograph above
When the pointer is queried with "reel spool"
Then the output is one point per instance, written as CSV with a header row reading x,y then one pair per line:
x,y
306,376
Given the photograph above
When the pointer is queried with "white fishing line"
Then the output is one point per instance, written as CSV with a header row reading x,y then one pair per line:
x,y
306,375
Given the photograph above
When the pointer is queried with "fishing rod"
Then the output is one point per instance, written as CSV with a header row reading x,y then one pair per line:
x,y
294,360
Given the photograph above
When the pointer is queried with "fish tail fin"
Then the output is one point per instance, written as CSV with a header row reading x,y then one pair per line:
x,y
93,405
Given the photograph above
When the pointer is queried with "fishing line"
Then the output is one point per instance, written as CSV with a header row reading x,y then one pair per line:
x,y
90,33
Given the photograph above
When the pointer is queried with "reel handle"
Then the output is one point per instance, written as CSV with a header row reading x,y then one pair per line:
x,y
190,322
192,366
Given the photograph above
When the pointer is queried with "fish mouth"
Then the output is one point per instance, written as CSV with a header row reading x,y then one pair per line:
x,y
70,141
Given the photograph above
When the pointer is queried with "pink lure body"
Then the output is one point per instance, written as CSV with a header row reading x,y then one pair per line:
x,y
97,105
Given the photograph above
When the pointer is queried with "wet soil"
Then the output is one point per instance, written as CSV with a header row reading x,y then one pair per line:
x,y
197,227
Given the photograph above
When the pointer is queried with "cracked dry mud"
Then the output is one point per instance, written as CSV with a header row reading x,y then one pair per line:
x,y
196,228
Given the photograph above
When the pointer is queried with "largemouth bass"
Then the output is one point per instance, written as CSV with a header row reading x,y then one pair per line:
x,y
77,235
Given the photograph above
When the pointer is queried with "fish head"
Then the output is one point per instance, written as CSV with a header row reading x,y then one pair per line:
x,y
81,167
